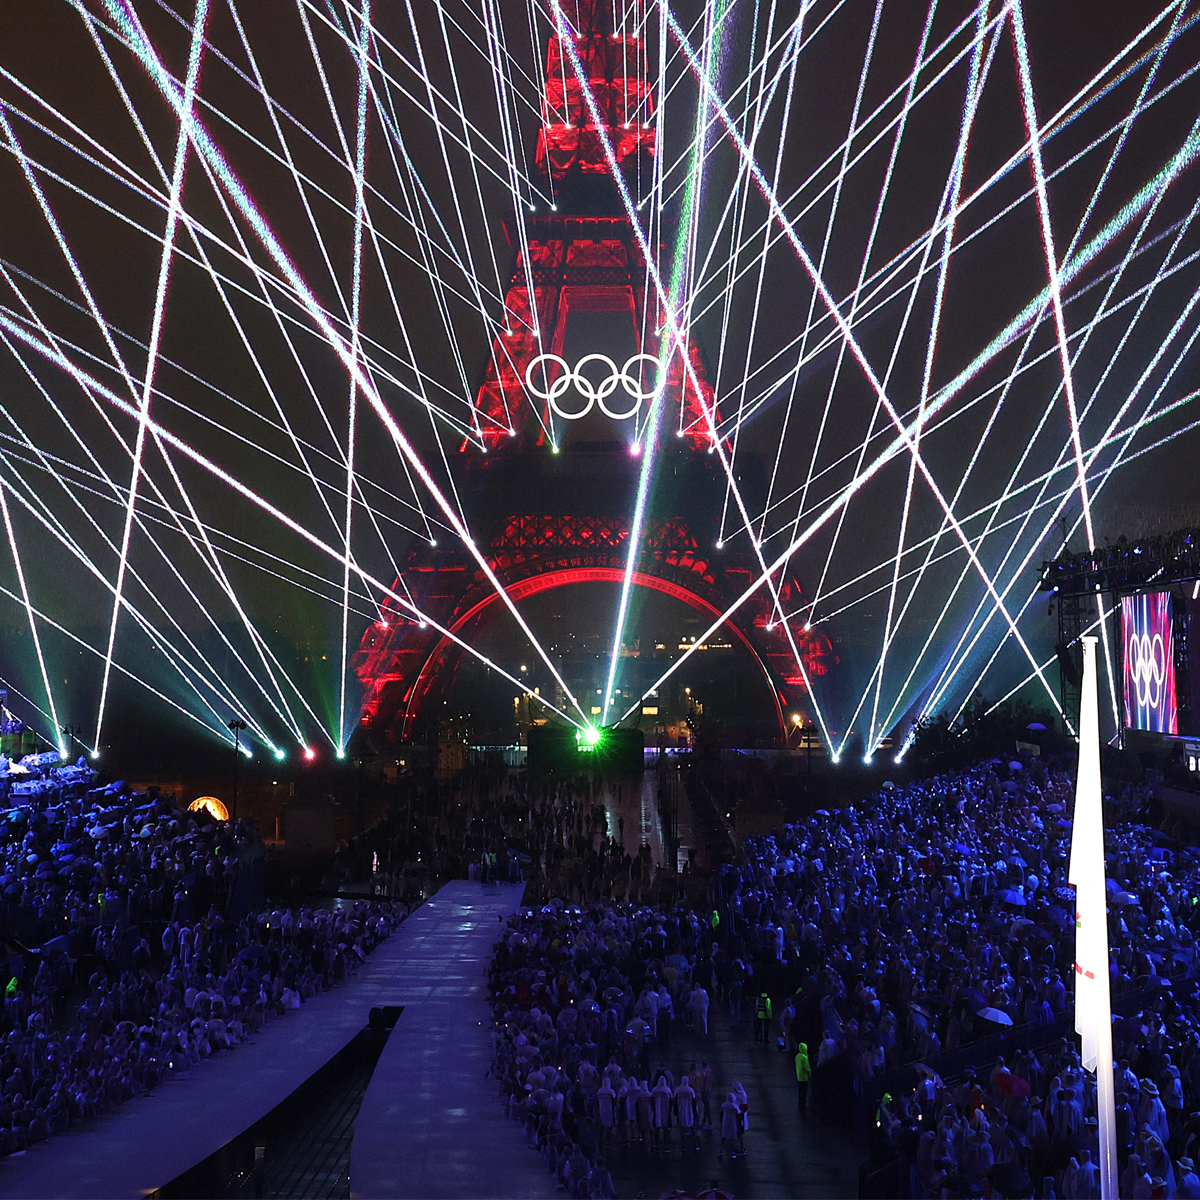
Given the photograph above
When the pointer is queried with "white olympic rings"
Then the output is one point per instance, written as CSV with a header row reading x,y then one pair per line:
x,y
1148,668
593,393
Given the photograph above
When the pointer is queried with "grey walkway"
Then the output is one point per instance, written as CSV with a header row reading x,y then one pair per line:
x,y
431,1125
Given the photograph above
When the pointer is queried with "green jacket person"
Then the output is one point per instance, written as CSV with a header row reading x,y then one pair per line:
x,y
803,1074
762,1018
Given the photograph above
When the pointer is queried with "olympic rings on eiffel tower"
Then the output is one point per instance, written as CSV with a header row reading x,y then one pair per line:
x,y
594,393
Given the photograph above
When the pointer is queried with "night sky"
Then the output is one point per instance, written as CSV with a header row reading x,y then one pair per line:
x,y
245,378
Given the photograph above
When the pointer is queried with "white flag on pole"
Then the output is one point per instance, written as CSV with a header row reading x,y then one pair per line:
x,y
1093,1006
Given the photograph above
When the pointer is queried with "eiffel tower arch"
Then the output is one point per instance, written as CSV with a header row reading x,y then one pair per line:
x,y
550,510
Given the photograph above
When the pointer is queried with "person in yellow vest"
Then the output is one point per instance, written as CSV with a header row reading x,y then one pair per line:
x,y
803,1075
762,1018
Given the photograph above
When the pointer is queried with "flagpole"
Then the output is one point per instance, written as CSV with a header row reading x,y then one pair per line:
x,y
1093,1001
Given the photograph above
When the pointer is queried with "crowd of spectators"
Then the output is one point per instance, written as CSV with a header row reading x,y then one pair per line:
x,y
896,936
497,823
940,911
585,1001
939,914
127,959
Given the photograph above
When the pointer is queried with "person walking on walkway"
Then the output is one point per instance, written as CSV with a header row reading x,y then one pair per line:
x,y
702,1081
645,1115
743,1103
803,1075
762,1019
661,1097
698,1003
606,1102
600,1182
685,1108
731,1127
629,1093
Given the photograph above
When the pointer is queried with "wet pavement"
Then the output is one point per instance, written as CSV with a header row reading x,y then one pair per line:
x,y
631,805
786,1154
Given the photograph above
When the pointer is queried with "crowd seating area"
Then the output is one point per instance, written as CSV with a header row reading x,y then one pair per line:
x,y
125,958
917,929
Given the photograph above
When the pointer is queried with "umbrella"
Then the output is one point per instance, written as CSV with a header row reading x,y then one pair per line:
x,y
975,998
1036,726
1059,916
1014,1085
1054,808
962,849
822,812
994,1014
1009,896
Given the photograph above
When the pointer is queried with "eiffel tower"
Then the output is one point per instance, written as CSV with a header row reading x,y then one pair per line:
x,y
551,511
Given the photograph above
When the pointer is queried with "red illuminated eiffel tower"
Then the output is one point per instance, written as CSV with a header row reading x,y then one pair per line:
x,y
583,256
547,520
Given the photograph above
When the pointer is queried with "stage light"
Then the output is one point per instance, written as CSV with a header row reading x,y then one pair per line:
x,y
309,754
340,753
279,755
589,738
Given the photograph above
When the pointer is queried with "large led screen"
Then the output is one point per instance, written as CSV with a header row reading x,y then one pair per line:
x,y
1149,663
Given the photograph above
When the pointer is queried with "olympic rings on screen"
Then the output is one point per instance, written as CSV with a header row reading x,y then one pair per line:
x,y
594,393
1148,668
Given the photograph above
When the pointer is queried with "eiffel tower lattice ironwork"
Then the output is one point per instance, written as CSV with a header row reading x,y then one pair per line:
x,y
549,513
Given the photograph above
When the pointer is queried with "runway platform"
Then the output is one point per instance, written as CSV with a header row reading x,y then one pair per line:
x,y
430,1124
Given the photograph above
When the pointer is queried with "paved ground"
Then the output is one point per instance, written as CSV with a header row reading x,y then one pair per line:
x,y
786,1154
634,800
